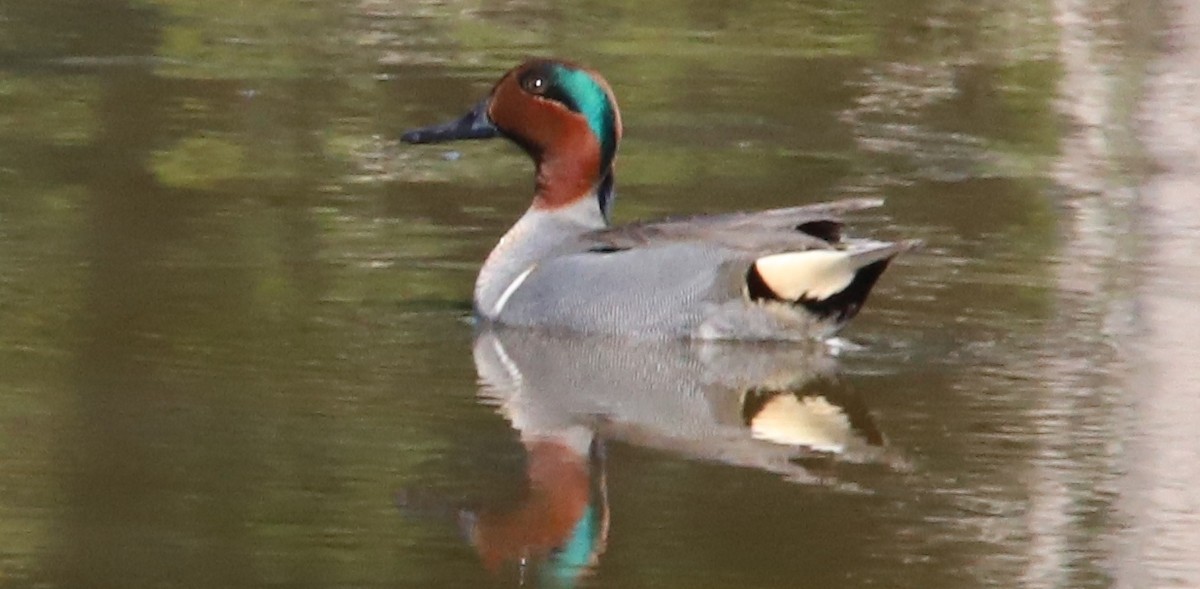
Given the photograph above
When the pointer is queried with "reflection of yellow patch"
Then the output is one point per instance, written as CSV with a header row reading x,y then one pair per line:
x,y
198,162
812,422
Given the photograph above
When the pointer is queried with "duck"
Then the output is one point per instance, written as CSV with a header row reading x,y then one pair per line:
x,y
782,274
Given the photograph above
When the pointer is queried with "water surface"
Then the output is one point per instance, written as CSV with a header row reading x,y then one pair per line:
x,y
234,336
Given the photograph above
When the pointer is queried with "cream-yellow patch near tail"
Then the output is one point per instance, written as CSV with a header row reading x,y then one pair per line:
x,y
808,275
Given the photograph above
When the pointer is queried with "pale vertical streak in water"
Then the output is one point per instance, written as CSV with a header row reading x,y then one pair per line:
x,y
1134,376
1085,407
1159,493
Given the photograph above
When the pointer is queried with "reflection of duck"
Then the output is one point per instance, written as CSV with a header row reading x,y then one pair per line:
x,y
763,406
780,274
767,407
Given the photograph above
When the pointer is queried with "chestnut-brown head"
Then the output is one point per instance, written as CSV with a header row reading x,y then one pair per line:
x,y
563,115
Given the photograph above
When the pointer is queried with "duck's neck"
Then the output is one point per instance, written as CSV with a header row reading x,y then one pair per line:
x,y
563,177
574,167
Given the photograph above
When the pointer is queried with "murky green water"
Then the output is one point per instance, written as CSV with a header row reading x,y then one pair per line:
x,y
234,346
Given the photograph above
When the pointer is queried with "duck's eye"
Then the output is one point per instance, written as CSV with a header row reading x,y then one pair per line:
x,y
534,84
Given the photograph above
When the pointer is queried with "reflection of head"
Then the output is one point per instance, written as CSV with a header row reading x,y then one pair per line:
x,y
560,523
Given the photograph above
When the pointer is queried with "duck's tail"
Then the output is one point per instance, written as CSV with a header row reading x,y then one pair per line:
x,y
832,284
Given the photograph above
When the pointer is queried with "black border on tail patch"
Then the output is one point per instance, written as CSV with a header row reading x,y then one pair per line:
x,y
757,288
845,304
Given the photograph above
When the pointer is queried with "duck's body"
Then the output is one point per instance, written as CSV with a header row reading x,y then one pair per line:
x,y
776,274
682,278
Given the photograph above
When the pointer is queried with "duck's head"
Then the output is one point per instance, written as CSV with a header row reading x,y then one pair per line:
x,y
562,114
